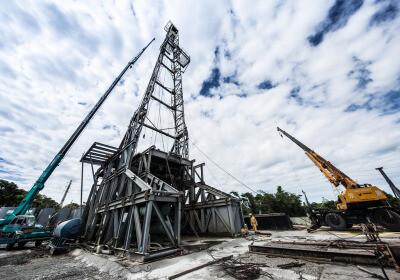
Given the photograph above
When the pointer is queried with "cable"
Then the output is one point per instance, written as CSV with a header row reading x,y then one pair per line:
x,y
229,174
212,175
281,207
292,165
209,170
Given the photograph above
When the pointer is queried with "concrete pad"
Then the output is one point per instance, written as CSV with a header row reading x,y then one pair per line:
x,y
352,272
81,264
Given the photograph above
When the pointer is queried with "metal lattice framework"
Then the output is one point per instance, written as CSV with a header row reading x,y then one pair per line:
x,y
139,201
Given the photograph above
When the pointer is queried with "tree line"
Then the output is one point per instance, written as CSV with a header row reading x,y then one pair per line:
x,y
286,202
266,203
11,196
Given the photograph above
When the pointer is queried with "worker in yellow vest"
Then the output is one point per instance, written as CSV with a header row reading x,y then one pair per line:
x,y
253,222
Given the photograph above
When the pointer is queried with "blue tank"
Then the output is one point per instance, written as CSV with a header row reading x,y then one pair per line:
x,y
69,229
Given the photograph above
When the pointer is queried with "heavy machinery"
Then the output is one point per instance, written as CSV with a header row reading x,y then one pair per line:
x,y
141,202
65,236
21,230
358,203
17,228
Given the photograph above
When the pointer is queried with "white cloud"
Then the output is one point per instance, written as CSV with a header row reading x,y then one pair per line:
x,y
57,60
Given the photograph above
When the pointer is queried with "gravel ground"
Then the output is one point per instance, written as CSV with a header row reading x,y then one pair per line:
x,y
36,263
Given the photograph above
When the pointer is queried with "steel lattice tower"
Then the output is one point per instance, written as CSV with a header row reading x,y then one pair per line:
x,y
174,60
140,198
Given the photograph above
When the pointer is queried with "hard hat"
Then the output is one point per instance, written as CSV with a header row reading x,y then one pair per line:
x,y
250,214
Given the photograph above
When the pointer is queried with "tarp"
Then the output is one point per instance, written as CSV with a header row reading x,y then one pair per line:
x,y
44,216
75,213
61,216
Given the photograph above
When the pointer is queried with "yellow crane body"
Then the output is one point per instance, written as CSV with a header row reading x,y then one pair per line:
x,y
358,203
360,195
354,195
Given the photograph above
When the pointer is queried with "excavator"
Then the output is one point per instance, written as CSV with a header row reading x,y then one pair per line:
x,y
17,227
358,203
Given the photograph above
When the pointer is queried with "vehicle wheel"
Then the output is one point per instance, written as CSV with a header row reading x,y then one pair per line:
x,y
38,243
9,246
22,244
349,225
335,221
388,219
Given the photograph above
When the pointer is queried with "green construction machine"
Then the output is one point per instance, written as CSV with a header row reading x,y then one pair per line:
x,y
17,227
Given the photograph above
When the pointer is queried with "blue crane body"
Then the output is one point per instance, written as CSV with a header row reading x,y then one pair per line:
x,y
39,184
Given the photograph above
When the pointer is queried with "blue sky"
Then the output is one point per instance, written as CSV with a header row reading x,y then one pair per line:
x,y
328,72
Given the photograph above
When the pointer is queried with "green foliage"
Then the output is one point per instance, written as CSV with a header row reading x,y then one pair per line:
x,y
392,199
235,193
285,202
72,205
42,201
280,202
330,204
11,195
249,204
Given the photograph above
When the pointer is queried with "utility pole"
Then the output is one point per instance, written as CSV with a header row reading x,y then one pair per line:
x,y
395,190
65,193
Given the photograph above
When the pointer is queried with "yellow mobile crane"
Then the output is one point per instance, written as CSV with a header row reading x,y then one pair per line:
x,y
358,203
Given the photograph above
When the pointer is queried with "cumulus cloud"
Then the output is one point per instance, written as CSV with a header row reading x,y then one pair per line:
x,y
327,72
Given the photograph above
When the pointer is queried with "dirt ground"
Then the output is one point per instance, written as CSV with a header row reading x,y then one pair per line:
x,y
36,263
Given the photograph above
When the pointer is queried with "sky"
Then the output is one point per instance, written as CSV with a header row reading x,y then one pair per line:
x,y
327,72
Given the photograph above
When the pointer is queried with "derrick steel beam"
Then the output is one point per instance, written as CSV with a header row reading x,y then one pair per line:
x,y
140,199
345,256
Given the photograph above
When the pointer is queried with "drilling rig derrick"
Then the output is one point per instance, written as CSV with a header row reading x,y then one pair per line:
x,y
140,202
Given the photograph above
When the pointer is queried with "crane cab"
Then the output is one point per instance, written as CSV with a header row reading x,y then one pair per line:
x,y
20,225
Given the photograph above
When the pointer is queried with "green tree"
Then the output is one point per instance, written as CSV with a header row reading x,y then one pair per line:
x,y
280,202
392,200
248,203
11,195
330,204
235,193
42,201
289,203
72,205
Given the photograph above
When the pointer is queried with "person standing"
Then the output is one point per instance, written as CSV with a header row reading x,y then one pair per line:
x,y
253,222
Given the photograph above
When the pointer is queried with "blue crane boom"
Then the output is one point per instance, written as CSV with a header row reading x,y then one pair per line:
x,y
39,184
